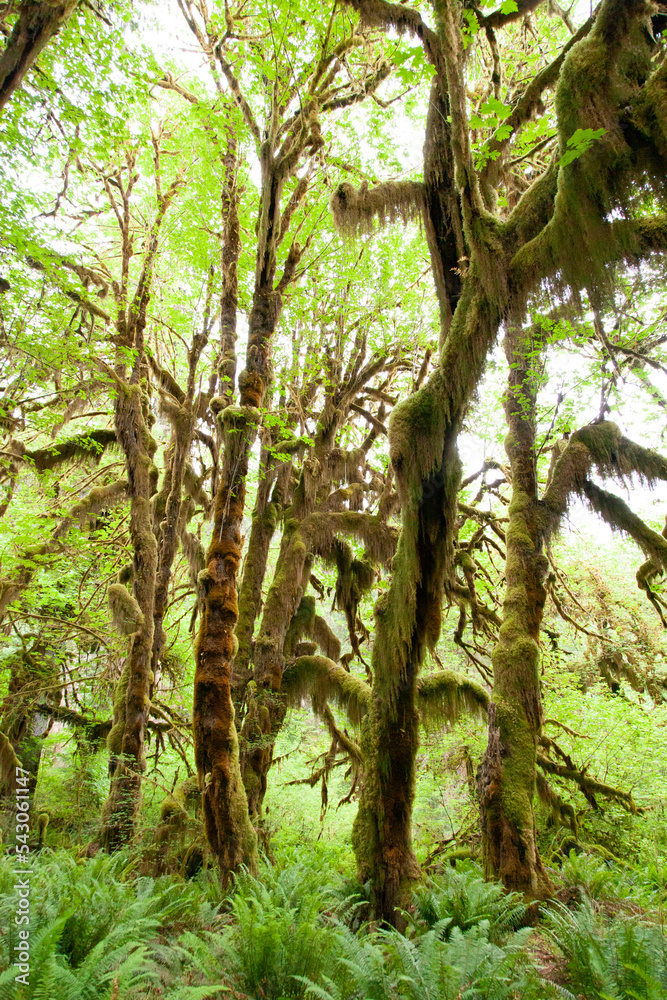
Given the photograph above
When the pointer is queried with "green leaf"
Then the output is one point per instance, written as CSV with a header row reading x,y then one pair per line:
x,y
495,107
579,142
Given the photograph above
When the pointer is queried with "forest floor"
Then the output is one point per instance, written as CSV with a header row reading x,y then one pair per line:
x,y
133,926
102,929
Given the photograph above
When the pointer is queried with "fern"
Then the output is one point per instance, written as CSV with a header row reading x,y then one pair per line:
x,y
278,935
385,965
462,899
627,958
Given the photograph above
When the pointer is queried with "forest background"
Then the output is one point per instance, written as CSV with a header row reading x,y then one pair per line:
x,y
333,390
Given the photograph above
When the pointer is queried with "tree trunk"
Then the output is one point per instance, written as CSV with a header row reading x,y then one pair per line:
x,y
264,521
121,808
266,710
382,832
35,26
228,827
230,834
183,423
507,776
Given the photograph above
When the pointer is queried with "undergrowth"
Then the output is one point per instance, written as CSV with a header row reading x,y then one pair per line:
x,y
299,929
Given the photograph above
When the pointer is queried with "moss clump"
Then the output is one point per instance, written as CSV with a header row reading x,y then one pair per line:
x,y
446,696
188,792
125,611
300,625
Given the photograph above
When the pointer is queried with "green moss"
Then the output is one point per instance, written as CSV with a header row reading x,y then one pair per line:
x,y
238,418
125,611
115,737
323,680
446,696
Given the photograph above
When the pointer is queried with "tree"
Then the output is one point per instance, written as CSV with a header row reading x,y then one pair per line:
x,y
560,232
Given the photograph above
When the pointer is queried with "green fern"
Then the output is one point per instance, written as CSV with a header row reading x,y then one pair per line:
x,y
278,934
610,961
462,899
386,965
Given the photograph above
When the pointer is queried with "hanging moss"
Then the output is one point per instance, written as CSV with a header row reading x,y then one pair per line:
x,y
562,813
446,696
322,530
90,446
599,446
355,211
602,78
323,680
300,625
125,611
327,640
618,515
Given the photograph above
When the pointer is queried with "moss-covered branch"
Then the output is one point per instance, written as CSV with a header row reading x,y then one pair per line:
x,y
617,514
355,211
323,680
89,446
589,786
446,696
602,447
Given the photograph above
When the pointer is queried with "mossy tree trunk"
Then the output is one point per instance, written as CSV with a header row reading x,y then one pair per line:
x,y
132,420
228,829
182,417
307,531
271,495
266,709
507,776
121,808
505,259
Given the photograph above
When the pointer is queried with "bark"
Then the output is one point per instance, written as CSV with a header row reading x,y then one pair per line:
x,y
132,421
266,710
228,829
268,506
36,24
121,808
507,776
442,214
309,529
21,722
183,423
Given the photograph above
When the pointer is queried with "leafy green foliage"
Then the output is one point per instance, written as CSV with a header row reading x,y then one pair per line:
x,y
579,142
385,965
94,929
